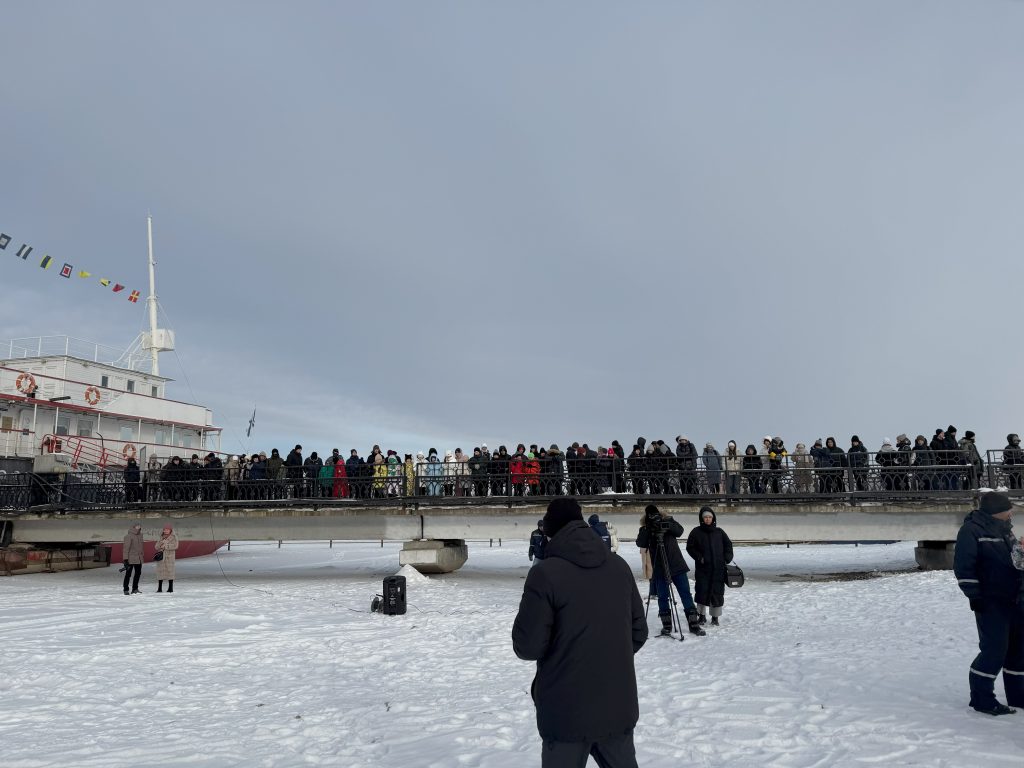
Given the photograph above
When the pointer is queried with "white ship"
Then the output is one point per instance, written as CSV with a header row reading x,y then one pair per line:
x,y
89,406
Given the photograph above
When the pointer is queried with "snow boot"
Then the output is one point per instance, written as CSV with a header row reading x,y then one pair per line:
x,y
136,592
704,620
693,619
714,621
998,709
170,585
666,626
126,591
159,586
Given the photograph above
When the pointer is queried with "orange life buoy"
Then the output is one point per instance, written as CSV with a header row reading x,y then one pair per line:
x,y
92,395
128,451
26,382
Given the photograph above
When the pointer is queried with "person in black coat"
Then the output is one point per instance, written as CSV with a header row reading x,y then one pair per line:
x,y
987,563
132,482
686,454
711,550
581,618
1013,457
647,539
857,457
637,468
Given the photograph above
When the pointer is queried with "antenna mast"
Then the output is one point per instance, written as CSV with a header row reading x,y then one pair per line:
x,y
157,340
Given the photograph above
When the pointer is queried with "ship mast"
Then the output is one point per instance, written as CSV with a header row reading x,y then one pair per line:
x,y
157,340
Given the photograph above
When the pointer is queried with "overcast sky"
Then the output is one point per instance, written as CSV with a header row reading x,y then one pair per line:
x,y
441,224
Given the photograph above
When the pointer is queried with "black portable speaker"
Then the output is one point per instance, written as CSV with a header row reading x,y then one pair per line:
x,y
393,603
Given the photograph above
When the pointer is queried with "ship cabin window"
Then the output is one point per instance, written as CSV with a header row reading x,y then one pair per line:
x,y
131,385
63,425
104,381
85,427
6,424
126,434
160,437
156,391
186,441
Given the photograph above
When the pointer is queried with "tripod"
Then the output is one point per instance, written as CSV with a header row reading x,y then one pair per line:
x,y
662,555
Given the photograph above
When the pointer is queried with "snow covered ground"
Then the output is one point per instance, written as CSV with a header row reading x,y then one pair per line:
x,y
270,657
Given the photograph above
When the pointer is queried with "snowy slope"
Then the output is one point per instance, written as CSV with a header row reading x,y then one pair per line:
x,y
269,657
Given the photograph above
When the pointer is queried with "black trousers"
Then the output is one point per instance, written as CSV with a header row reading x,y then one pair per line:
x,y
613,752
1001,645
134,569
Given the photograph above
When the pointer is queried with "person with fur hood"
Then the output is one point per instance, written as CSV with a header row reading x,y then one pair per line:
x,y
803,475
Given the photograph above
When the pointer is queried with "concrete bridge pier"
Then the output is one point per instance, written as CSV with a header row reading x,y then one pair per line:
x,y
934,555
434,555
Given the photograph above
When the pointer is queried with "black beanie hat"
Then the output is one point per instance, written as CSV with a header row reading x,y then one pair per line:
x,y
994,502
969,435
561,512
951,428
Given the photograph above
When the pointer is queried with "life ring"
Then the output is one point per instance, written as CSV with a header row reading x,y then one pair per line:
x,y
92,395
128,451
26,382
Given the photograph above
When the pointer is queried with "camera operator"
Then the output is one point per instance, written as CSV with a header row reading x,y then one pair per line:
x,y
660,530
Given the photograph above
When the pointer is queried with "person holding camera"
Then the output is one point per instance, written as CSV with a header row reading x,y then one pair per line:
x,y
582,620
711,550
658,535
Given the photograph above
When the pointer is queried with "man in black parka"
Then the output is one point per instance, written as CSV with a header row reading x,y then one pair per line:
x,y
581,618
987,564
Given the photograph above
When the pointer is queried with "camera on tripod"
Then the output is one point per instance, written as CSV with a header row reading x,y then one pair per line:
x,y
656,524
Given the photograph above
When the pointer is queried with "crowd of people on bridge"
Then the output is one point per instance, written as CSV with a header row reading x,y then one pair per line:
x,y
648,468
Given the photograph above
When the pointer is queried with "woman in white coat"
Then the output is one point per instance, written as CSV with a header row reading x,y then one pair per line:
x,y
168,544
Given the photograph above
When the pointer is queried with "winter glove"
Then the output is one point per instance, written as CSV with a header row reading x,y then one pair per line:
x,y
125,563
977,604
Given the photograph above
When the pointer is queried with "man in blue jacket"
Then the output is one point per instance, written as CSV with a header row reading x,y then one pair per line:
x,y
538,541
581,612
986,573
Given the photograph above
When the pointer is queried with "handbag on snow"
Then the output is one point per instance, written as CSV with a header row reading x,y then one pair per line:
x,y
160,556
734,576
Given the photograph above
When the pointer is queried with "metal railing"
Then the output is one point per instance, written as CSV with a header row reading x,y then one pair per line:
x,y
891,476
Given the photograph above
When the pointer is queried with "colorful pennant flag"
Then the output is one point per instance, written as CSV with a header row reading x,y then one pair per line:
x,y
67,270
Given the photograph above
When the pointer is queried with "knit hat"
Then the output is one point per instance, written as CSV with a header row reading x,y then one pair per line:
x,y
902,437
994,502
854,439
951,428
969,435
886,441
938,431
561,512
